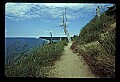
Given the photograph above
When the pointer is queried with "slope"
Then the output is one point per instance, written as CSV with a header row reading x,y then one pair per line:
x,y
96,43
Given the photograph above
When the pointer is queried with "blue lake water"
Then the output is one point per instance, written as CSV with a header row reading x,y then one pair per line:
x,y
31,42
20,43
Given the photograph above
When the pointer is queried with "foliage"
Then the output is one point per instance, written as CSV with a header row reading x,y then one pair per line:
x,y
96,43
99,60
37,63
95,27
107,40
75,38
15,52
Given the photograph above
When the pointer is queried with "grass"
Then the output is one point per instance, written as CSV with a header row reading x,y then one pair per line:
x,y
96,43
99,60
14,52
100,55
92,30
37,64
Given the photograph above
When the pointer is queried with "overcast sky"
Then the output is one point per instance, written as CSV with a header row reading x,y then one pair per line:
x,y
39,19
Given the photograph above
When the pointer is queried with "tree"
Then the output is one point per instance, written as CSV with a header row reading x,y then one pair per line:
x,y
98,11
64,25
51,38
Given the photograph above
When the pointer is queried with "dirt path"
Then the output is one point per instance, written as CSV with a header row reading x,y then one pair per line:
x,y
71,66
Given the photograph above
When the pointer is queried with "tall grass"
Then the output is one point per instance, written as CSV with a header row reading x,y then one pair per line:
x,y
96,43
38,63
99,60
14,52
100,54
95,27
107,40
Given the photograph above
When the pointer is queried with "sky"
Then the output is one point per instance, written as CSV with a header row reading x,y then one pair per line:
x,y
39,19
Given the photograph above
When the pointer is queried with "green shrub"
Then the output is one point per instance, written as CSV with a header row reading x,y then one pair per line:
x,y
100,62
14,52
96,43
37,63
94,28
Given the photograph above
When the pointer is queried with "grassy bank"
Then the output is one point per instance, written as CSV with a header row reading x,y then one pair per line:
x,y
96,43
37,63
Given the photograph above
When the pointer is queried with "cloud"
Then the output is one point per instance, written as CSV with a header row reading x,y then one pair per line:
x,y
21,11
48,31
62,33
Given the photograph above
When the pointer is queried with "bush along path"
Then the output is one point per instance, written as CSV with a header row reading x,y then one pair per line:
x,y
35,63
70,65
